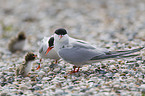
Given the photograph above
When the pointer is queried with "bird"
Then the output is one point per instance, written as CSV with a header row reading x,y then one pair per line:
x,y
25,68
45,43
79,52
17,43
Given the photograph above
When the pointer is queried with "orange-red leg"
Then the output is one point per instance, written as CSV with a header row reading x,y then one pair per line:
x,y
56,61
75,71
78,69
39,64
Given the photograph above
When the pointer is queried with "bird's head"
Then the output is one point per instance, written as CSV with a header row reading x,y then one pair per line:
x,y
60,35
21,36
30,57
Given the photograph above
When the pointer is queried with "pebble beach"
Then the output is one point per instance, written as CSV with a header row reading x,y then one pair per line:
x,y
111,24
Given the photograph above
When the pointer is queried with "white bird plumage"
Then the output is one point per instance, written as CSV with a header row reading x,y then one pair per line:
x,y
45,43
79,52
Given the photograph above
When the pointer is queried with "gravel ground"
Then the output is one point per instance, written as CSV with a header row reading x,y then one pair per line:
x,y
112,24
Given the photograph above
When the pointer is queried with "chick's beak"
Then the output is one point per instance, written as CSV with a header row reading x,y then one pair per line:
x,y
49,48
35,56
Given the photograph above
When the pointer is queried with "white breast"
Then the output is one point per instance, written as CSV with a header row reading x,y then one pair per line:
x,y
28,68
52,53
19,45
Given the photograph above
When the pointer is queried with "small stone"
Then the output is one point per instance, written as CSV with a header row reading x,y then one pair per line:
x,y
5,94
10,79
46,79
41,73
138,58
33,84
90,81
85,68
38,78
21,93
143,91
56,69
131,65
51,73
37,88
63,72
59,85
32,89
112,67
65,76
70,87
59,92
3,84
123,74
125,71
11,69
52,66
136,65
96,85
83,90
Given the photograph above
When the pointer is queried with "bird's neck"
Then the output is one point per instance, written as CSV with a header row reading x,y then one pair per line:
x,y
28,63
59,45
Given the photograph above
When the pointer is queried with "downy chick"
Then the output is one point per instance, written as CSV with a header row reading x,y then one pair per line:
x,y
17,43
25,68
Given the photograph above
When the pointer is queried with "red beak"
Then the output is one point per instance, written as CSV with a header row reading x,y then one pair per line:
x,y
35,56
49,48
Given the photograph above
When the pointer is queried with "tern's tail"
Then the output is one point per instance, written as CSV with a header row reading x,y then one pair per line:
x,y
117,54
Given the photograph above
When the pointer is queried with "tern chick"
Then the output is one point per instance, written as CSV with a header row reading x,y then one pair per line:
x,y
25,68
17,43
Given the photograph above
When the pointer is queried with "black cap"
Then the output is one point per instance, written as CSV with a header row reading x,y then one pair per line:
x,y
51,41
60,31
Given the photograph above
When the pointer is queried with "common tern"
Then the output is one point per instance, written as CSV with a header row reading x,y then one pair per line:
x,y
25,68
17,43
45,43
79,52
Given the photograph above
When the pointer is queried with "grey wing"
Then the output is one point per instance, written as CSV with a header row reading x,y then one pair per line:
x,y
117,54
81,44
90,47
79,53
